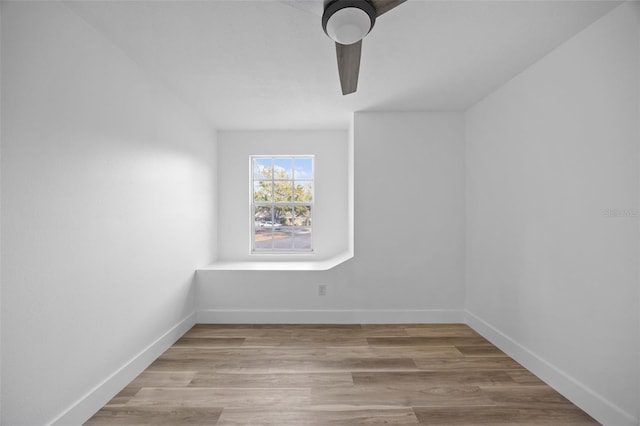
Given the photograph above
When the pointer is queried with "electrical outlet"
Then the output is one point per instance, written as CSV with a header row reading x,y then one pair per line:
x,y
322,290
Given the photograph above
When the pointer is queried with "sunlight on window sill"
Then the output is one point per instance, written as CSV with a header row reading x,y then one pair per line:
x,y
304,264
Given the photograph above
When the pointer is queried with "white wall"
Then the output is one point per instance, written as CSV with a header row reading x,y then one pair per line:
x,y
550,277
107,192
409,237
330,213
638,31
0,219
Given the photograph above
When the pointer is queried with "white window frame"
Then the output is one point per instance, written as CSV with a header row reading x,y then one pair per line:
x,y
253,204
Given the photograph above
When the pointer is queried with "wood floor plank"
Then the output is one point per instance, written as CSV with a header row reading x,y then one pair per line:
x,y
321,375
306,341
440,330
275,327
381,397
272,380
480,350
163,378
152,416
525,377
125,395
237,332
346,364
201,353
469,416
233,417
540,397
340,352
432,378
426,340
444,351
222,397
223,365
383,330
468,363
206,342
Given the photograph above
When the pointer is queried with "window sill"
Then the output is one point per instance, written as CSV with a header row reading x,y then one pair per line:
x,y
280,265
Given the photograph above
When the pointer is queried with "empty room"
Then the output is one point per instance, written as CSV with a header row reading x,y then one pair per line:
x,y
308,212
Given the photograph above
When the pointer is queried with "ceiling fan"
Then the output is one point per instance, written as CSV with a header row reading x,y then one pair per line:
x,y
347,22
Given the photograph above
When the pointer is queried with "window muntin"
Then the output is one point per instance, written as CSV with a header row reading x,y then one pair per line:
x,y
281,204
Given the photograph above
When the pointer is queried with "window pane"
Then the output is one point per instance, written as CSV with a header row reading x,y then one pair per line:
x,y
262,191
282,239
263,239
262,168
263,219
303,190
303,168
284,215
283,168
262,214
302,239
283,191
302,216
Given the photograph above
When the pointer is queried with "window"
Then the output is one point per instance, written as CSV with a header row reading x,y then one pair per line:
x,y
281,203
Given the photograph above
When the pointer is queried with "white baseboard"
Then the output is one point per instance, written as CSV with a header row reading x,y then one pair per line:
x,y
592,403
97,397
306,316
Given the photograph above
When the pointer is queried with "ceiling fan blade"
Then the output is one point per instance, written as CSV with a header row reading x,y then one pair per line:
x,y
315,7
383,6
349,65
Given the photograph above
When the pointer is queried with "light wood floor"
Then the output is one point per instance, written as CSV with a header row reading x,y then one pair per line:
x,y
337,375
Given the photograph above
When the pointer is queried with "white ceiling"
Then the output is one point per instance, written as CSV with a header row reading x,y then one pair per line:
x,y
267,65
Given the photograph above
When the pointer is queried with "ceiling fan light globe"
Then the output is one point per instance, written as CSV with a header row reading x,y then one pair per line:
x,y
349,25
